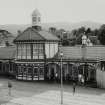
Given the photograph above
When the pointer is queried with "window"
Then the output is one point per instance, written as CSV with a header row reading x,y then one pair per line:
x,y
28,50
29,70
25,71
20,70
41,55
41,71
38,51
35,51
35,73
23,51
19,51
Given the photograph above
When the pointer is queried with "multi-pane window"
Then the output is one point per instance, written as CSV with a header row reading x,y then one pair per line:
x,y
29,71
19,51
41,71
25,71
41,51
35,72
28,51
37,51
23,51
20,70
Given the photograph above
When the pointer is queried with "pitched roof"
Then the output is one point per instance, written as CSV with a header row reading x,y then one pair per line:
x,y
7,52
47,35
30,34
91,52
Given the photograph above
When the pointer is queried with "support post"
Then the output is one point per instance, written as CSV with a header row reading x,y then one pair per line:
x,y
61,54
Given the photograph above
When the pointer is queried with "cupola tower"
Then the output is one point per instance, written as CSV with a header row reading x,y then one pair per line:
x,y
36,18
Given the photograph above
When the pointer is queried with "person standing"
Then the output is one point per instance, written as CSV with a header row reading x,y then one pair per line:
x,y
79,78
74,87
82,80
9,87
56,77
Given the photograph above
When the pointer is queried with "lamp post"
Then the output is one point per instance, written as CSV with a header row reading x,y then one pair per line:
x,y
38,71
61,55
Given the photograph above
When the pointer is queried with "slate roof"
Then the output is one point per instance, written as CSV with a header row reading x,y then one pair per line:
x,y
30,34
91,52
48,36
7,53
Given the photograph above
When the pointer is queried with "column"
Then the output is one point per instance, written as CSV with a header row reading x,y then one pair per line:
x,y
2,67
26,72
38,72
12,68
49,72
67,70
32,73
55,70
88,73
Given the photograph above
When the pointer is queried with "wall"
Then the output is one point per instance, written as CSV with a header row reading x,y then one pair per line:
x,y
100,78
51,49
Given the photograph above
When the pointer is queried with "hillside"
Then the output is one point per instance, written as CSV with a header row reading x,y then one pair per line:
x,y
67,26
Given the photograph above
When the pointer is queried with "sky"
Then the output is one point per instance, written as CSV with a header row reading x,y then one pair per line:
x,y
19,11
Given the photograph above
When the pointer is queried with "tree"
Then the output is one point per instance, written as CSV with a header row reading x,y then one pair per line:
x,y
65,43
95,32
81,30
101,35
88,31
79,39
7,43
72,42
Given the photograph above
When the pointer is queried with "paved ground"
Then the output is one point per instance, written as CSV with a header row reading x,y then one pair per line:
x,y
35,93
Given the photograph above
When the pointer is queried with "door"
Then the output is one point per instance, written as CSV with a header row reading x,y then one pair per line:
x,y
29,73
38,73
41,73
35,73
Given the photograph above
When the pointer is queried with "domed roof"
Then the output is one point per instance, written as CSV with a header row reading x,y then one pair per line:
x,y
36,13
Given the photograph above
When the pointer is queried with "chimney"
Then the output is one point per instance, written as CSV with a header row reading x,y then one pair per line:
x,y
52,30
37,28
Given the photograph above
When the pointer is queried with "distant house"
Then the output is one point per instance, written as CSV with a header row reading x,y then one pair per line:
x,y
6,38
7,64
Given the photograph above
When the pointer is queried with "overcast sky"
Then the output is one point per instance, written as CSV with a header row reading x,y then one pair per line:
x,y
19,11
